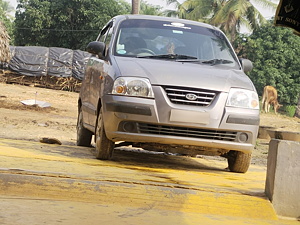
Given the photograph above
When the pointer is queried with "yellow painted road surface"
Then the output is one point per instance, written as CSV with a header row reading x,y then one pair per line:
x,y
53,184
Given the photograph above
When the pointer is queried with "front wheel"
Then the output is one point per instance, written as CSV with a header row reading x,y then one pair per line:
x,y
104,146
238,162
84,136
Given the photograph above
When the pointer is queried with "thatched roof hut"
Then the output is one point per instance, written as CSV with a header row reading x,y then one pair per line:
x,y
5,54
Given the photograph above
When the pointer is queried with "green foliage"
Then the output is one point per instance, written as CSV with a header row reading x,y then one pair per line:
x,y
5,18
63,23
148,9
67,23
228,15
275,53
290,110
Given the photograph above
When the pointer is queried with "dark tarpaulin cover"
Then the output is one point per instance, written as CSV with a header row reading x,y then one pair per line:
x,y
80,59
29,60
53,61
60,62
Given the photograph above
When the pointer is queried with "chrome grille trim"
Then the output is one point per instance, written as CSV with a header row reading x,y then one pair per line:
x,y
177,95
186,132
187,101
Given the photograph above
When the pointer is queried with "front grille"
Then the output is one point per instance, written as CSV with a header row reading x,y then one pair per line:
x,y
186,132
178,95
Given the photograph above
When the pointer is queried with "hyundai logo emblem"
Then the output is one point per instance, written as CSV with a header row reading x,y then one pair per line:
x,y
191,97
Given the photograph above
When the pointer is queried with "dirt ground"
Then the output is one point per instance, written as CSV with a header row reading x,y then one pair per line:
x,y
18,121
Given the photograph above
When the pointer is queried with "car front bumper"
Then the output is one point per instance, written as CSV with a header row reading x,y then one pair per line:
x,y
159,121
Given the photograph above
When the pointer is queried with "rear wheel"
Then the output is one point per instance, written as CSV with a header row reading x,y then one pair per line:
x,y
104,146
84,136
238,162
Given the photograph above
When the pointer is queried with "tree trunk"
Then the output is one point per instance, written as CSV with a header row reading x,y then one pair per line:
x,y
297,114
5,54
135,6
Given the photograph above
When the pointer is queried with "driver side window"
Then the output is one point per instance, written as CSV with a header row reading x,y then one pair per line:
x,y
107,37
106,34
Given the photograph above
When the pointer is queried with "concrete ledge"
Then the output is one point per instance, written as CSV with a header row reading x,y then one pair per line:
x,y
130,194
284,135
283,177
263,132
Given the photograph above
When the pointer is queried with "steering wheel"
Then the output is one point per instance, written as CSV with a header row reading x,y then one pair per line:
x,y
143,50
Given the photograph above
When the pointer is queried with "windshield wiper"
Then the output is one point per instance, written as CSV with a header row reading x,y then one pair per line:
x,y
187,58
217,61
168,56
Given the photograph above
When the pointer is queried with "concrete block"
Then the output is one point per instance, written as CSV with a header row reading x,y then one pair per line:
x,y
283,177
263,132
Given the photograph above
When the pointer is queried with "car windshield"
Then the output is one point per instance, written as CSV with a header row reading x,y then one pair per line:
x,y
173,41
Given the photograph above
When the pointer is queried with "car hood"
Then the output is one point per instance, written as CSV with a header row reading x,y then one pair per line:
x,y
185,74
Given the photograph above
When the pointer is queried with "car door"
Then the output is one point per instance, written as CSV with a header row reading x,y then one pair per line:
x,y
98,71
84,95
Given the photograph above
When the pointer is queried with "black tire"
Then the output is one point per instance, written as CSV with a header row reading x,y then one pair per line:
x,y
238,162
104,146
84,136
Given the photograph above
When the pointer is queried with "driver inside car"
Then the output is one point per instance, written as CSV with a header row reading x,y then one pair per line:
x,y
134,44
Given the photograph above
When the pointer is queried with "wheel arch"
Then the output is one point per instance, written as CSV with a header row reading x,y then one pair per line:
x,y
79,104
99,106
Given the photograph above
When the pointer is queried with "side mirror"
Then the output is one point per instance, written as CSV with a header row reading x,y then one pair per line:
x,y
96,48
246,64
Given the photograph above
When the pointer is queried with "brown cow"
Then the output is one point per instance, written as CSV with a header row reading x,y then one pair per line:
x,y
270,98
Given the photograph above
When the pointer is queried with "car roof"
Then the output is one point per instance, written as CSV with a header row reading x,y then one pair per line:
x,y
161,18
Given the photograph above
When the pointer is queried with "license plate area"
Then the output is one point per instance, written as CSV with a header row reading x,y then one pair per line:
x,y
187,116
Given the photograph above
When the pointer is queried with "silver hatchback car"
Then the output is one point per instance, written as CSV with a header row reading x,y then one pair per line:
x,y
166,84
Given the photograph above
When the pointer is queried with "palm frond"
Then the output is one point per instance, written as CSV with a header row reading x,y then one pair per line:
x,y
175,2
170,13
266,3
228,15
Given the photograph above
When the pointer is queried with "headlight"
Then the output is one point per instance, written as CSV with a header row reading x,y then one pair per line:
x,y
242,98
133,86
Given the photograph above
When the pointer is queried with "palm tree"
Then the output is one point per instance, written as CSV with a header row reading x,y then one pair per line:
x,y
5,54
180,12
228,15
135,6
148,9
6,7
